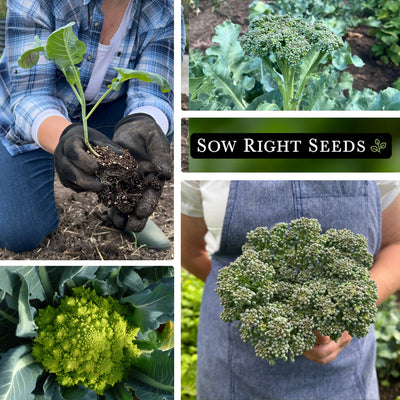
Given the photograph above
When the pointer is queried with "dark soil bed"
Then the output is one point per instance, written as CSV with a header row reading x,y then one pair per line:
x,y
84,233
390,393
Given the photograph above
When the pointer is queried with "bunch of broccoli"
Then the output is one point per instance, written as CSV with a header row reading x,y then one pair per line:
x,y
291,49
86,340
294,279
288,38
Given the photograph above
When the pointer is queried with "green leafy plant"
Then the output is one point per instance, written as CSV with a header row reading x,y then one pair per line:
x,y
66,50
385,25
292,280
291,49
387,332
86,333
191,294
338,15
226,78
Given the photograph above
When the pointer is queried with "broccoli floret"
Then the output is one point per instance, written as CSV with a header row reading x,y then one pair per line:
x,y
294,279
86,340
288,38
291,49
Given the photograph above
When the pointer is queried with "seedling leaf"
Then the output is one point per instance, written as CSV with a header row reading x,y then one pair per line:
x,y
30,57
66,50
125,74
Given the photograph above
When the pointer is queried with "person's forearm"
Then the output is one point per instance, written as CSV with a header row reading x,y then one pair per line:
x,y
198,264
194,255
386,271
50,131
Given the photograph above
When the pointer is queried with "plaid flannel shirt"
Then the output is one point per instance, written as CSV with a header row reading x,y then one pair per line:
x,y
24,94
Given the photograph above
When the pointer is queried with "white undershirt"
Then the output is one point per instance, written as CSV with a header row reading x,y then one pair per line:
x,y
104,56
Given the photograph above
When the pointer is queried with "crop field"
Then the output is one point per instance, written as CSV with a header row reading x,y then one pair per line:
x,y
362,73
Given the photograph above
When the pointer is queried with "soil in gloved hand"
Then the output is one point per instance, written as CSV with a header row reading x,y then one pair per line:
x,y
123,183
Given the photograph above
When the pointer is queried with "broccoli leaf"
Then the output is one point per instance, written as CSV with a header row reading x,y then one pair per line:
x,y
66,50
26,325
153,306
153,378
31,56
9,280
18,374
125,74
74,276
51,390
79,393
118,392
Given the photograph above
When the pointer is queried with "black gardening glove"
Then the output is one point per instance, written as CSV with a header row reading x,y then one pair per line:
x,y
147,143
74,165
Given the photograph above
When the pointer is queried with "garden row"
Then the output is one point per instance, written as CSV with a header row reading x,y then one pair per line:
x,y
303,65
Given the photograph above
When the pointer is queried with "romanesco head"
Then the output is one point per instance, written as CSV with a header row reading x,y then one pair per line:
x,y
86,340
293,279
288,39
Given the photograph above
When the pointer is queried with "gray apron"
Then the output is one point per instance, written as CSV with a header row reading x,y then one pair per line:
x,y
228,368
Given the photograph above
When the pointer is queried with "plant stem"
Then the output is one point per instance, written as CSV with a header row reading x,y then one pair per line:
x,y
288,73
98,102
307,75
141,377
46,283
81,98
9,317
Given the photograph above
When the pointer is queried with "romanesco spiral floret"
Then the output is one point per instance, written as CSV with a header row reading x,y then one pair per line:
x,y
86,340
288,38
293,279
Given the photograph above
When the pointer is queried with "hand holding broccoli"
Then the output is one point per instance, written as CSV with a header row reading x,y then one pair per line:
x,y
293,280
326,350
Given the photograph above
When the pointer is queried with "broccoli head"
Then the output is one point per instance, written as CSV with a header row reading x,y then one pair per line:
x,y
86,340
288,38
293,279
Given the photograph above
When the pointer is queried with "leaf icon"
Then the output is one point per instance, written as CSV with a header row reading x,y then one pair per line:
x,y
375,149
379,146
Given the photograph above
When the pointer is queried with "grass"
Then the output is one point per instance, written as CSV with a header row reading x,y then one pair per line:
x,y
3,9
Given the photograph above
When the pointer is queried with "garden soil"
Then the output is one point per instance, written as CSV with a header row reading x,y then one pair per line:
x,y
85,234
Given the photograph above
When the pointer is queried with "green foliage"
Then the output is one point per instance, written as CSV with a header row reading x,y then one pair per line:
x,y
385,25
94,328
194,4
191,294
387,332
3,9
226,78
338,15
291,49
291,280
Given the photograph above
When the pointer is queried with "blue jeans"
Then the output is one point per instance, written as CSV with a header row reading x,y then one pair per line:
x,y
28,211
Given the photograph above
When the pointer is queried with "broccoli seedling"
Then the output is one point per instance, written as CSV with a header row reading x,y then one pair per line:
x,y
86,340
293,279
65,49
291,49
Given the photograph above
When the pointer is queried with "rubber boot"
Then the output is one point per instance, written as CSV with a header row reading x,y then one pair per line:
x,y
151,237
